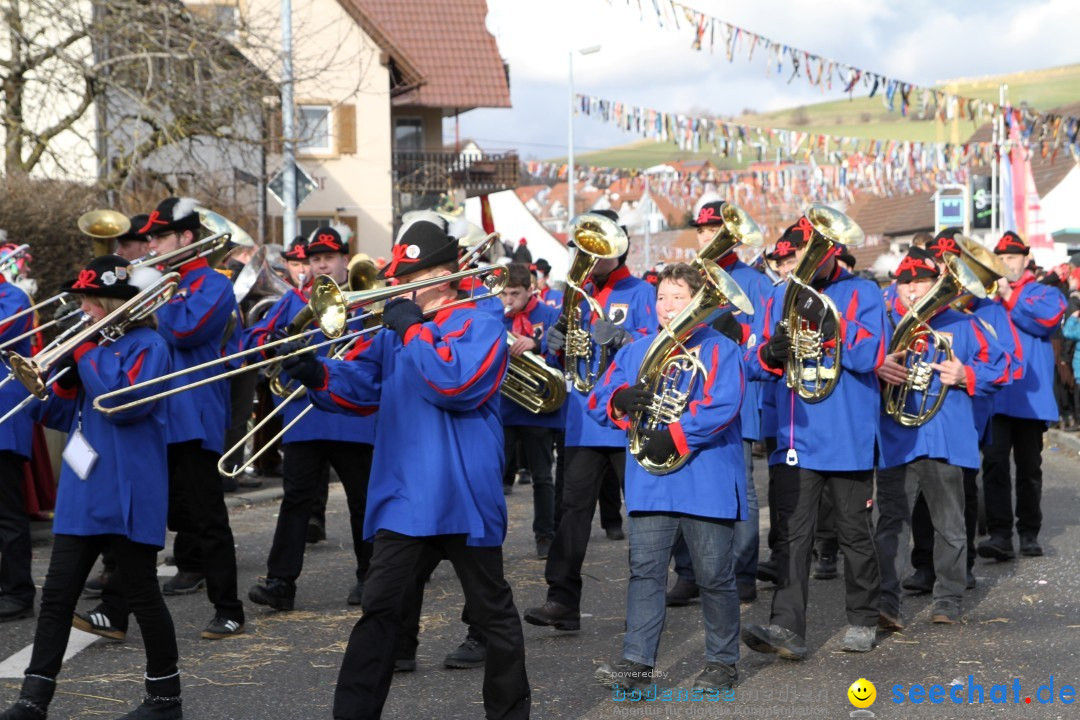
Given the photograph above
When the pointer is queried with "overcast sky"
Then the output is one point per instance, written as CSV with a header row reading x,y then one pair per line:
x,y
919,41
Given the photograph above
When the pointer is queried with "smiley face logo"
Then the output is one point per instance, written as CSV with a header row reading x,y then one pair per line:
x,y
862,693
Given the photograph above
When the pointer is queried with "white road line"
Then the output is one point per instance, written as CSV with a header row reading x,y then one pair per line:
x,y
15,666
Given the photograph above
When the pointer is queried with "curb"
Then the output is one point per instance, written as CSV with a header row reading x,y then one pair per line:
x,y
1064,440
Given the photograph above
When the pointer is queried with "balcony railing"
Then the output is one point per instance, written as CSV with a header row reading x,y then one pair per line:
x,y
421,172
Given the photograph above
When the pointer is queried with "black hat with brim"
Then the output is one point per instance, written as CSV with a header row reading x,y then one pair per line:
x,y
917,264
709,214
105,276
326,240
133,235
171,215
1011,244
423,245
945,242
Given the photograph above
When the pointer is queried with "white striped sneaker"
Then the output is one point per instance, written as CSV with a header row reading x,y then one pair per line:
x,y
220,628
97,623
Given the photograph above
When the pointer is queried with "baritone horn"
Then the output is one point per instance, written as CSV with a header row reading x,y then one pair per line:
x,y
597,238
738,228
532,383
923,346
813,364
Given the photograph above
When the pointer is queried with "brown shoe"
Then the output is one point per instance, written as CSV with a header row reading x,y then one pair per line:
x,y
890,623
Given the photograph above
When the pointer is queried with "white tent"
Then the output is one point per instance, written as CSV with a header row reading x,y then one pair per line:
x,y
513,220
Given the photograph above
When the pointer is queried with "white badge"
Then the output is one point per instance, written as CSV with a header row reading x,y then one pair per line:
x,y
79,455
792,457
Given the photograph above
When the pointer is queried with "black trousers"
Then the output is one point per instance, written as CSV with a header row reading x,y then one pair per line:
x,y
73,557
922,528
851,494
610,500
560,473
585,470
306,464
1023,439
242,401
368,667
536,446
16,581
781,505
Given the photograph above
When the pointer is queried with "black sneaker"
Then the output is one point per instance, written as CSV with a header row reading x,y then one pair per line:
x,y
554,615
155,707
716,677
405,665
774,639
919,582
825,568
524,477
316,531
996,548
625,675
470,654
615,533
12,609
94,586
273,592
681,593
97,623
356,595
1030,547
221,628
971,582
768,572
747,592
184,583
543,547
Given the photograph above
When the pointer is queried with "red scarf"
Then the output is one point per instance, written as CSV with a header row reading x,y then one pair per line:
x,y
620,273
521,326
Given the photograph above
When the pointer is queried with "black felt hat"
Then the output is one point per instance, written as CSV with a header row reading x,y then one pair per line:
x,y
105,276
918,263
945,242
1011,244
709,214
298,250
326,240
172,215
423,245
133,234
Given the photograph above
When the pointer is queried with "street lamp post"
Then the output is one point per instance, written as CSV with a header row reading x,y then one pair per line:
x,y
570,133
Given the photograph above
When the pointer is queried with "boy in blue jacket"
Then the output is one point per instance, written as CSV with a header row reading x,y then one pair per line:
x,y
831,444
1023,410
702,501
930,459
436,480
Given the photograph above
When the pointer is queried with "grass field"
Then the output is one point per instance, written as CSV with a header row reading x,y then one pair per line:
x,y
868,118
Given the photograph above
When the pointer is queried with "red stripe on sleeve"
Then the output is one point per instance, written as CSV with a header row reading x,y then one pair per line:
x,y
969,374
134,371
488,360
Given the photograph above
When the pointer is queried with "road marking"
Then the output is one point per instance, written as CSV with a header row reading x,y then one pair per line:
x,y
15,666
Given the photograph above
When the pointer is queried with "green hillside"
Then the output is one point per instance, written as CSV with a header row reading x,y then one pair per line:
x,y
867,117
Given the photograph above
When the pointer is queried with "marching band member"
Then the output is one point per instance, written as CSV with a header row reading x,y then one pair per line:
x,y
197,323
16,583
113,495
548,295
930,459
436,474
132,245
320,439
827,442
591,450
702,501
298,264
1022,410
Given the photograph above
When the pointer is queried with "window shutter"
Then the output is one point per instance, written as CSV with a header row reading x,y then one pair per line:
x,y
273,130
350,222
345,125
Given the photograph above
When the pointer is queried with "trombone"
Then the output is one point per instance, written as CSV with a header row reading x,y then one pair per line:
x,y
329,307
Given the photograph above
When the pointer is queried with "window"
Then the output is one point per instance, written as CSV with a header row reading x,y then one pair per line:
x,y
309,225
408,134
313,131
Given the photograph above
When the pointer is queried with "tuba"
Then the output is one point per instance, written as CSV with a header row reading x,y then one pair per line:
x,y
532,383
923,345
670,371
257,281
738,229
808,370
597,238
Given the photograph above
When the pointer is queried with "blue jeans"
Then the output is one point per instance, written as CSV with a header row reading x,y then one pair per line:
x,y
710,543
747,535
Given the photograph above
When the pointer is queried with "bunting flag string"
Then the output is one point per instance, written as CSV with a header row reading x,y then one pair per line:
x,y
782,60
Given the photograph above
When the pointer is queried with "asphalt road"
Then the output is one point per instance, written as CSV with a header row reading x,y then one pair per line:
x,y
1021,623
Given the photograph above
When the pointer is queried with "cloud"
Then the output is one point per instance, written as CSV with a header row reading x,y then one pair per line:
x,y
921,41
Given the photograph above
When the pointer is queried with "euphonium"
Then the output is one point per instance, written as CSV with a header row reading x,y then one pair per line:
x,y
923,346
532,383
738,228
670,371
596,238
808,368
986,266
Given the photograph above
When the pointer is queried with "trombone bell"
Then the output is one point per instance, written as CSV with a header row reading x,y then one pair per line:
x,y
103,224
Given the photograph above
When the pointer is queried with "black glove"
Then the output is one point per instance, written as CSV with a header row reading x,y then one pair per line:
x,y
278,333
728,325
632,399
400,314
305,368
775,352
70,379
556,339
68,315
660,446
812,308
605,332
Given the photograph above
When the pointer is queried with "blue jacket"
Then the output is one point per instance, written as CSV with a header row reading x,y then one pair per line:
x,y
194,324
630,303
837,433
438,463
541,317
1072,332
127,490
712,483
1035,311
552,297
15,433
994,315
951,435
317,424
